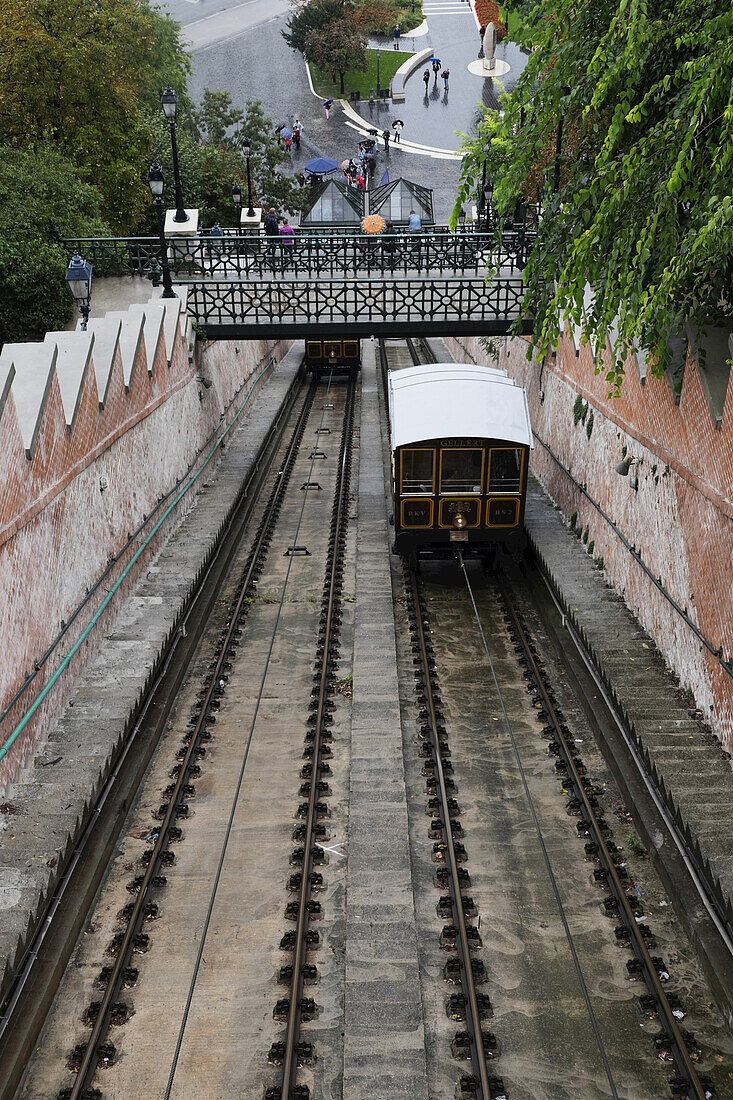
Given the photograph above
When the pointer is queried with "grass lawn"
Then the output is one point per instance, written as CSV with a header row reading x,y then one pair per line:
x,y
389,62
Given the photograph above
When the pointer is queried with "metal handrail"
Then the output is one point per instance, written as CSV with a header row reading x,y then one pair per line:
x,y
232,256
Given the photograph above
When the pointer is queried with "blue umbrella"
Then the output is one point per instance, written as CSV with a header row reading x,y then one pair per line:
x,y
321,165
286,133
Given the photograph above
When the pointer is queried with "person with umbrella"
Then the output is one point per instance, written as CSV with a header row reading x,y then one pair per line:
x,y
436,67
321,166
287,135
327,105
397,127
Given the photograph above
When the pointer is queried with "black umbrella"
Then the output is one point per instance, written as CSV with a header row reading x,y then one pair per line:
x,y
397,122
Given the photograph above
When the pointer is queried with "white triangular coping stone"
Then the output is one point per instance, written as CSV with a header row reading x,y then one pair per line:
x,y
74,352
154,315
173,308
7,374
106,338
130,337
34,369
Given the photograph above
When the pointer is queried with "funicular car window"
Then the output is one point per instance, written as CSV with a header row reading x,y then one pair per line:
x,y
505,471
460,470
418,471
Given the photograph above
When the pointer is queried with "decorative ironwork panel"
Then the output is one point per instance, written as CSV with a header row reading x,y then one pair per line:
x,y
368,305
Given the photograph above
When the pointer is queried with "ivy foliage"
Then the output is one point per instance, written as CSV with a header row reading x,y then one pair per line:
x,y
638,239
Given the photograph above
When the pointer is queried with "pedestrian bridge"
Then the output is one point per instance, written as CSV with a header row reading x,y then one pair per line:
x,y
431,282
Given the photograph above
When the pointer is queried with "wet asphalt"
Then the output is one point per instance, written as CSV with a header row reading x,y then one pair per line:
x,y
258,64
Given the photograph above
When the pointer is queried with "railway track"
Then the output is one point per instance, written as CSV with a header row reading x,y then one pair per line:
x,y
151,888
461,933
610,872
98,1050
673,1045
306,881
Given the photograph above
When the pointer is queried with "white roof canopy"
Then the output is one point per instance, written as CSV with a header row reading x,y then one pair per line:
x,y
448,401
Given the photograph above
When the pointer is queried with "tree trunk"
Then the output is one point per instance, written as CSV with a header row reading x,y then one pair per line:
x,y
341,78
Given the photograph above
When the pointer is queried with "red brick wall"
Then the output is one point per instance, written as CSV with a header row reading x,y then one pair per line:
x,y
58,530
681,518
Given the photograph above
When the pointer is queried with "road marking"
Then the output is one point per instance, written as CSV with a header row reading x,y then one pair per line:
x,y
217,14
334,848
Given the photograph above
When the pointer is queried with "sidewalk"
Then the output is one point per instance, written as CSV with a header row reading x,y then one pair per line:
x,y
453,37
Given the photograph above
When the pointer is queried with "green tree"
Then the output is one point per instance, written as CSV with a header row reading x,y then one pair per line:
x,y
211,160
314,16
339,48
41,199
644,210
74,73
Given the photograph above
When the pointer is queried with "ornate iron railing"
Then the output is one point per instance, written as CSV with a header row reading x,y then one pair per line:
x,y
417,306
312,255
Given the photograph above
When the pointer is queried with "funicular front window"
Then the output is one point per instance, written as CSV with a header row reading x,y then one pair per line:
x,y
505,471
460,470
418,471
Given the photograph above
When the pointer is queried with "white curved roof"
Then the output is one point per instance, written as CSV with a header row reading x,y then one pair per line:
x,y
450,400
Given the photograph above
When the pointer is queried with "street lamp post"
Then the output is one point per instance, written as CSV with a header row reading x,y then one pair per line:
x,y
247,146
378,81
237,200
79,282
169,101
156,183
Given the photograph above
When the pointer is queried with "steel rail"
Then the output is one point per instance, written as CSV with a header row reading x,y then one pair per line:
x,y
680,1052
700,880
101,1024
333,581
473,1015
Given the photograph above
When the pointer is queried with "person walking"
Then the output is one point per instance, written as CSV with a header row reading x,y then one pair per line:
x,y
386,136
272,230
436,68
397,127
288,235
389,245
426,80
414,225
297,131
446,77
327,105
397,33
482,32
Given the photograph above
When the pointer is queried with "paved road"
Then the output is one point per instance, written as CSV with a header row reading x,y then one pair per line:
x,y
228,20
257,64
192,11
237,46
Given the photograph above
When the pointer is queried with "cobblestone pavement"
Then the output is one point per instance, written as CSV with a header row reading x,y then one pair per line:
x,y
258,64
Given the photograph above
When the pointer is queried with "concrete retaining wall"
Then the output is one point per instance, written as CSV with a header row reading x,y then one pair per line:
x,y
95,428
679,519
